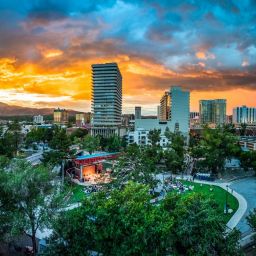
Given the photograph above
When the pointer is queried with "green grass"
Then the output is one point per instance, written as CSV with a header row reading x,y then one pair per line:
x,y
218,194
76,194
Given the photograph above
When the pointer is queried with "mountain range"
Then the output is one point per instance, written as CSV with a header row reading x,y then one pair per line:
x,y
11,110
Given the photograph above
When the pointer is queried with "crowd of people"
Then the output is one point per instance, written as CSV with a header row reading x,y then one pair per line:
x,y
173,184
92,189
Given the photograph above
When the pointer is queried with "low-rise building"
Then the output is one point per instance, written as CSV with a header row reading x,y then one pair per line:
x,y
128,120
194,119
38,119
248,143
140,137
82,119
244,114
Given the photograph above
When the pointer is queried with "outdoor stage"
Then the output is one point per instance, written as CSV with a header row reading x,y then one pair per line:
x,y
89,168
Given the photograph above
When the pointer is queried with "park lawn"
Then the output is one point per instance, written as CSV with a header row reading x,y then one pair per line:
x,y
218,194
77,194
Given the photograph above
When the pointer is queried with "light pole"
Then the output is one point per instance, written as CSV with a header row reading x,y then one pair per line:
x,y
227,199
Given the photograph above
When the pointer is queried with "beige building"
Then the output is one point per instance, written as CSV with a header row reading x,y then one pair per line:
x,y
82,119
165,102
60,116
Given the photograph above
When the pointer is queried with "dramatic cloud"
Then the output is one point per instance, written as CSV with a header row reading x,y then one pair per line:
x,y
47,48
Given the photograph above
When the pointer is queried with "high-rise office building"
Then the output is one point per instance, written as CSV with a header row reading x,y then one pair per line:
x,y
212,111
179,108
178,118
164,114
60,116
244,115
137,112
106,99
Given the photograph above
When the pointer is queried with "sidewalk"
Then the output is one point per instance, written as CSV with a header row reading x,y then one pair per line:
x,y
232,223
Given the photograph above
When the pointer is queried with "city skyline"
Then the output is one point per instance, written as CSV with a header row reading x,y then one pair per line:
x,y
47,48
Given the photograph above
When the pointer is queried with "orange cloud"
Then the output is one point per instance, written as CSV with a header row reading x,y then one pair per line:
x,y
204,55
201,55
49,52
69,85
150,69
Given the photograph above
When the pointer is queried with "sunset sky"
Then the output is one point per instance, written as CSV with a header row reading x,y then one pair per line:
x,y
47,48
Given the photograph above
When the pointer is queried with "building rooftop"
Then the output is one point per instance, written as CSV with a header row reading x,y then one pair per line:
x,y
102,154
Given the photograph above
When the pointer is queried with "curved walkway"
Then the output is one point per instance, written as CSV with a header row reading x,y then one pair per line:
x,y
239,214
247,188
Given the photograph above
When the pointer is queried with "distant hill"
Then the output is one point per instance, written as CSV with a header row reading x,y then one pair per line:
x,y
10,110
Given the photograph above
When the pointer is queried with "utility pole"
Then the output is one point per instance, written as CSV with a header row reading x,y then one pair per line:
x,y
226,209
62,172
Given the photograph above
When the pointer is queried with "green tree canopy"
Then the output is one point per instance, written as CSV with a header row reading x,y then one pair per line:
x,y
60,140
252,219
78,133
132,165
214,147
124,222
248,160
90,143
32,198
114,144
10,139
154,136
199,229
174,155
120,223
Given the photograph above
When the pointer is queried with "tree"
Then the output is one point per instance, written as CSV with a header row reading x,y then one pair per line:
x,y
175,154
10,139
33,198
120,223
90,143
6,208
132,165
59,143
60,140
124,222
52,158
39,135
78,133
248,160
229,128
114,144
242,129
4,161
14,129
251,219
215,146
198,228
154,137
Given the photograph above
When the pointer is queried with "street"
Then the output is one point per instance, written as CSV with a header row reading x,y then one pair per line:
x,y
247,188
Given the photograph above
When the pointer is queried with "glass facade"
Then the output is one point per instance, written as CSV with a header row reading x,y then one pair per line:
x,y
106,95
212,111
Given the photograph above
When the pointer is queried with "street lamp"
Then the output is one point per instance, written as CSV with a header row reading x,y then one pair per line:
x,y
226,200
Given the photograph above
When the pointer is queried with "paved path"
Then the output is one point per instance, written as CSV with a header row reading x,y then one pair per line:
x,y
246,188
36,158
238,215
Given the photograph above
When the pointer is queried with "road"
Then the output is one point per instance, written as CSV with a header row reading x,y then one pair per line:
x,y
247,188
35,158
